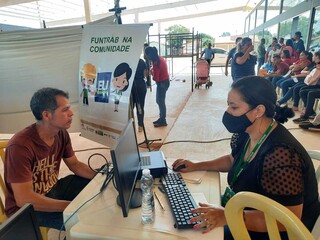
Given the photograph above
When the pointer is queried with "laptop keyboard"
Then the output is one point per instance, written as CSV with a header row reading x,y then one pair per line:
x,y
180,200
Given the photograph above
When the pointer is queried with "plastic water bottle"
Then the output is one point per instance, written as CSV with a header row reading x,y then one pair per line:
x,y
147,206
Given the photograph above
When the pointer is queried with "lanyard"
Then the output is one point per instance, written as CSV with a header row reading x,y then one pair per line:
x,y
243,164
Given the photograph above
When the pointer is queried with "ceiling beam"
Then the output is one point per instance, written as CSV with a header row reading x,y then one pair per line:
x,y
202,14
6,3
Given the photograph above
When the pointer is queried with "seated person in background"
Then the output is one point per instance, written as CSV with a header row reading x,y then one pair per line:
x,y
312,77
315,124
285,57
265,158
33,157
296,72
289,46
274,51
308,95
280,68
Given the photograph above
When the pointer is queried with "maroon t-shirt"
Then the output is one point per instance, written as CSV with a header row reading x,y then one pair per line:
x,y
29,158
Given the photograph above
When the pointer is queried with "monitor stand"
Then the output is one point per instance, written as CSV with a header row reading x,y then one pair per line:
x,y
136,199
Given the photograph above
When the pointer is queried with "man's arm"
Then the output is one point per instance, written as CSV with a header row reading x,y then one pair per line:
x,y
23,193
227,65
79,168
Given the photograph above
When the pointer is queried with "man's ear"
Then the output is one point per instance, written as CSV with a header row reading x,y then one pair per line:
x,y
46,115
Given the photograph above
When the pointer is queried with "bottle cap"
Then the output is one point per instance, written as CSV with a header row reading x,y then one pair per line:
x,y
146,171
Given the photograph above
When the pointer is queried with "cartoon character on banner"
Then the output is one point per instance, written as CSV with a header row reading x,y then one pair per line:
x,y
88,76
120,82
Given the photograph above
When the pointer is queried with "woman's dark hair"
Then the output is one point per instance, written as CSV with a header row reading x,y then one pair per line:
x,y
289,42
317,53
121,69
308,54
258,90
152,53
45,99
243,42
286,53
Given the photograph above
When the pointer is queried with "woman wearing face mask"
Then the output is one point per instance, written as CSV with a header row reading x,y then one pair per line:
x,y
243,62
265,158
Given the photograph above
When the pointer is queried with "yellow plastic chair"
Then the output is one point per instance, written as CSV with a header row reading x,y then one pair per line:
x,y
315,155
273,212
3,217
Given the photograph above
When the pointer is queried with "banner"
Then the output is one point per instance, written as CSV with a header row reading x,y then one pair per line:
x,y
109,57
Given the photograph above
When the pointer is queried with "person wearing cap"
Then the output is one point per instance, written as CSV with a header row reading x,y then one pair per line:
x,y
298,43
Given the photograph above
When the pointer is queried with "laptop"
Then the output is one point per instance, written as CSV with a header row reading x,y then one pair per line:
x,y
155,160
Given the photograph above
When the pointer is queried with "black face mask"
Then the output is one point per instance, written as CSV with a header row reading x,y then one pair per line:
x,y
236,124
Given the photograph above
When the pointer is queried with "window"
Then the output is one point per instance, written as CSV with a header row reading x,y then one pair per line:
x,y
260,14
273,9
285,29
315,38
287,4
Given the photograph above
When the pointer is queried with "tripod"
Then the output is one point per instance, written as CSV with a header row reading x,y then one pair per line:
x,y
117,9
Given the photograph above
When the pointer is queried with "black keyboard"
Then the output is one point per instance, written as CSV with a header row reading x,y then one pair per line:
x,y
180,199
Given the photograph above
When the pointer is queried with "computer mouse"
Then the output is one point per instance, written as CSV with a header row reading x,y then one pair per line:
x,y
177,169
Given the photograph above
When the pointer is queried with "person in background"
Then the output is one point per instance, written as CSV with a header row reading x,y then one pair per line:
x,y
296,68
243,62
307,79
139,91
289,46
265,158
148,66
272,52
281,42
285,57
208,54
308,94
261,52
298,44
315,124
280,68
230,57
33,157
161,77
274,41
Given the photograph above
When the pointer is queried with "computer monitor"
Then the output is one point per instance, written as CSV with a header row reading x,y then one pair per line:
x,y
21,225
126,165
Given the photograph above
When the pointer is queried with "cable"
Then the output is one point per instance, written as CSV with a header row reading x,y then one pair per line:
x,y
88,149
63,225
104,168
103,187
197,141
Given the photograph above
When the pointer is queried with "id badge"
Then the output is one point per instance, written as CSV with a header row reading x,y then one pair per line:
x,y
228,194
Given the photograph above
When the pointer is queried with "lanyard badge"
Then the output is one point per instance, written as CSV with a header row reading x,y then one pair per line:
x,y
229,193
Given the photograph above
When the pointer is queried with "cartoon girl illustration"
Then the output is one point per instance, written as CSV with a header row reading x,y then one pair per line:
x,y
120,82
88,76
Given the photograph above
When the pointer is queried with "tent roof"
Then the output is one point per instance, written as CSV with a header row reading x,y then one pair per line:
x,y
53,13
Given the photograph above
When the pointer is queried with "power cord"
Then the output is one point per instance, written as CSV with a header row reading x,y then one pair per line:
x,y
109,176
104,168
196,141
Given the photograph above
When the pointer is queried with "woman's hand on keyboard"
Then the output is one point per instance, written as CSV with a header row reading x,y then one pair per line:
x,y
209,218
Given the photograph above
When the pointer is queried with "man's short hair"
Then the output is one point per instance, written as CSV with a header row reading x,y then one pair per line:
x,y
45,100
276,56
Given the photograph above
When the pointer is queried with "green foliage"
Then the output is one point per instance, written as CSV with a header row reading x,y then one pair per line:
x,y
177,29
206,39
175,35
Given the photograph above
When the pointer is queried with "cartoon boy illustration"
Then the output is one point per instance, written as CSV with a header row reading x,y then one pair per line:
x,y
120,82
88,76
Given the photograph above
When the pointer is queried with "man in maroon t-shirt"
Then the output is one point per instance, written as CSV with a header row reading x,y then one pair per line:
x,y
280,68
33,157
